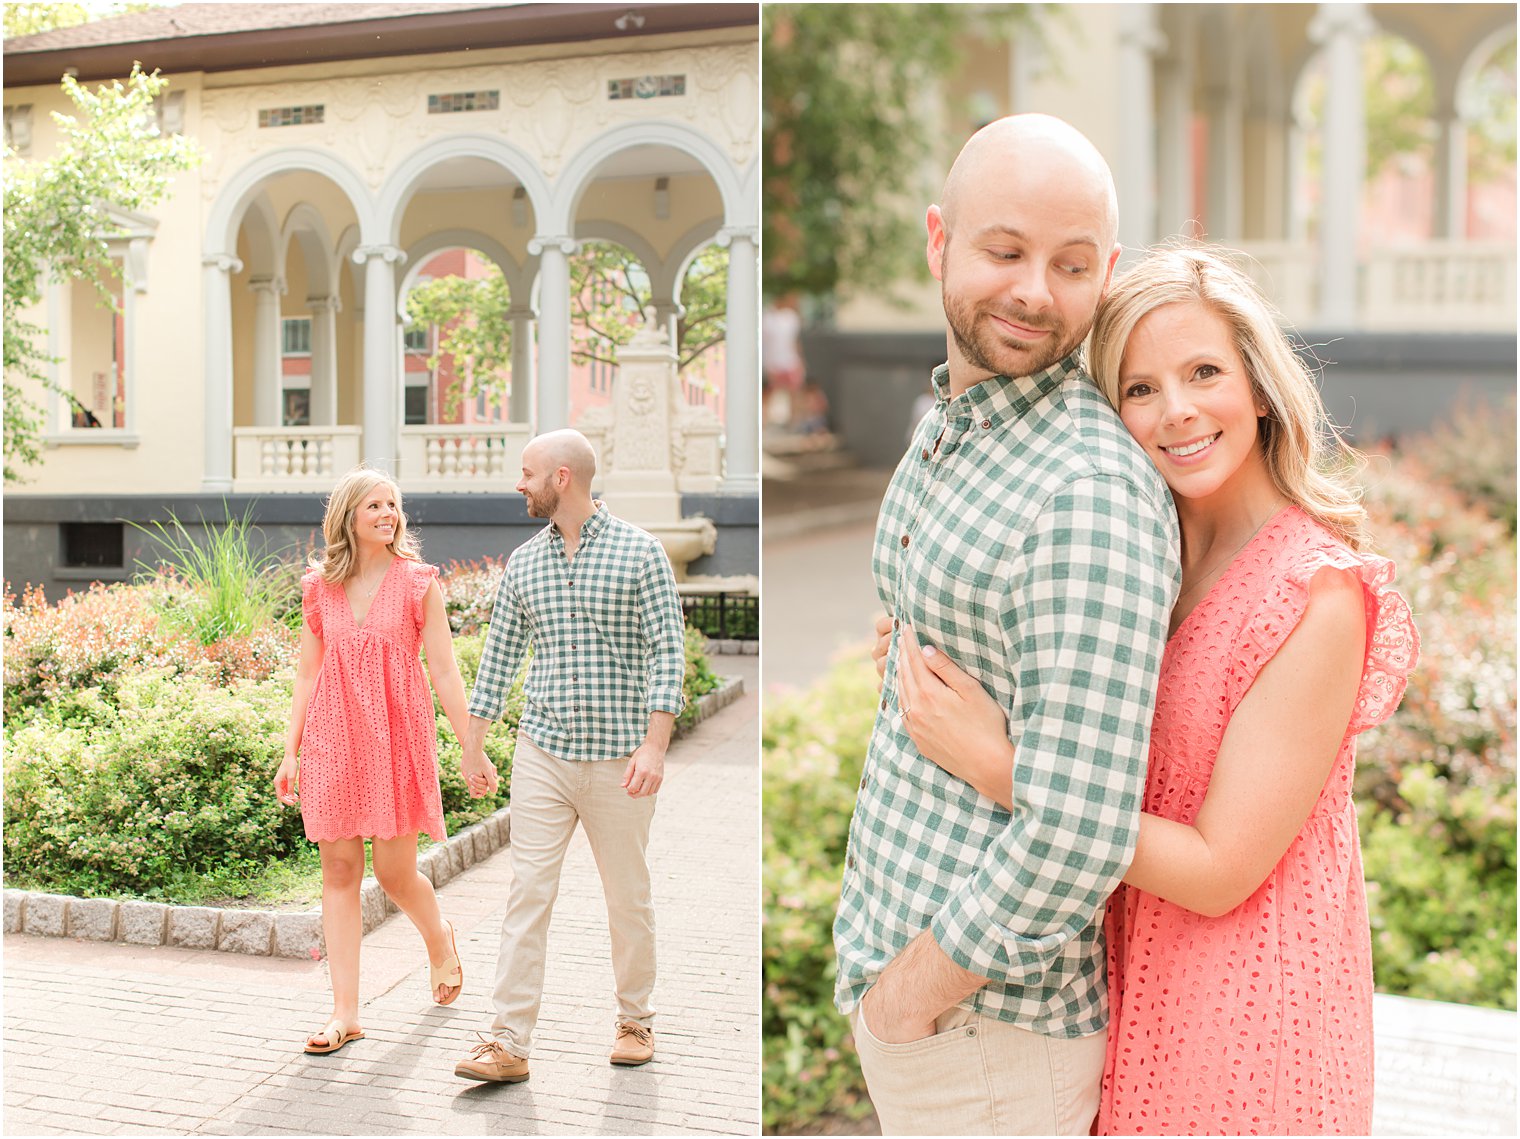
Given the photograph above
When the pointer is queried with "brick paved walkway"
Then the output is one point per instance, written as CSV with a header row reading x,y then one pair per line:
x,y
113,1039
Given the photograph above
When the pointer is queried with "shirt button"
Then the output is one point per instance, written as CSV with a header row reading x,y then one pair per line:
x,y
883,703
986,423
894,622
926,454
862,782
850,862
570,582
905,541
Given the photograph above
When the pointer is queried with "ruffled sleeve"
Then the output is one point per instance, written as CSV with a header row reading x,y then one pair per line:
x,y
311,601
423,575
1393,643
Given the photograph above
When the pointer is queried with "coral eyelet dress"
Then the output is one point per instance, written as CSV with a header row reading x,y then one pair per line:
x,y
369,766
1258,1022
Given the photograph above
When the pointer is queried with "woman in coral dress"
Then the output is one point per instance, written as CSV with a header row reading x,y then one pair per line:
x,y
1239,953
362,726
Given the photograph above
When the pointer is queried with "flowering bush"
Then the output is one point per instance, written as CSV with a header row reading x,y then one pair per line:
x,y
140,760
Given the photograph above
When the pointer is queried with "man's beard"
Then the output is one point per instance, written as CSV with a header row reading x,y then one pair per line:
x,y
990,352
543,504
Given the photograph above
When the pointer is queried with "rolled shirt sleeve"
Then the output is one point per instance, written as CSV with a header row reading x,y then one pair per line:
x,y
1085,617
663,629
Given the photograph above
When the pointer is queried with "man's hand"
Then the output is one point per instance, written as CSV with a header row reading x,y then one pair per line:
x,y
879,650
645,772
920,983
890,1029
479,772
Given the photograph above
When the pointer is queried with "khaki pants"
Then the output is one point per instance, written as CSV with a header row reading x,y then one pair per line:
x,y
980,1076
549,796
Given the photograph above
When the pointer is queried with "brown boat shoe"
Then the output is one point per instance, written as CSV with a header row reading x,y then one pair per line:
x,y
633,1045
490,1061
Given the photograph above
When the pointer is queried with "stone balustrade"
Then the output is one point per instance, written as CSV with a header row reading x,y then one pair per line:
x,y
459,458
272,460
1441,286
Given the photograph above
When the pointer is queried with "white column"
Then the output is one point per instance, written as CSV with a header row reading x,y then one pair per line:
x,y
1174,154
520,398
1450,220
553,385
741,387
268,401
382,336
324,359
1140,39
668,313
1226,156
1339,30
216,293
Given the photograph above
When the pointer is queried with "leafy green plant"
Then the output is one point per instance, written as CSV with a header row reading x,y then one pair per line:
x,y
234,588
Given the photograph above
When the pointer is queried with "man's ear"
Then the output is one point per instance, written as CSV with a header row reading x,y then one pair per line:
x,y
1108,273
938,235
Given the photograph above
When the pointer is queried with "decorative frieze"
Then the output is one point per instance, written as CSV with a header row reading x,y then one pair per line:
x,y
464,101
646,87
305,115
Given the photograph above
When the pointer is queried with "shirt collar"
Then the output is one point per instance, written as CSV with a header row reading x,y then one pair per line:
x,y
1004,398
590,528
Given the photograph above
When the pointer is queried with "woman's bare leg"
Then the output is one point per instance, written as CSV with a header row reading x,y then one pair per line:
x,y
395,863
342,873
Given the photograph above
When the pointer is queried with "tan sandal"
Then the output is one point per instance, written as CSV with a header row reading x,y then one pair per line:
x,y
336,1036
450,973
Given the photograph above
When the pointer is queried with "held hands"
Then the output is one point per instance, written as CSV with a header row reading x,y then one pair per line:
x,y
285,782
949,716
479,772
645,772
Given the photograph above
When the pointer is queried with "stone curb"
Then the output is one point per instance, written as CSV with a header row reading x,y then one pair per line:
x,y
267,933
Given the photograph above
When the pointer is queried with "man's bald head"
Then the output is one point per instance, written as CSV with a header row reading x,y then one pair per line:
x,y
567,448
1062,153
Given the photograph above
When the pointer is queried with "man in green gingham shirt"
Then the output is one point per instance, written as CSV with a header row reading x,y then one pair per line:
x,y
1026,535
596,597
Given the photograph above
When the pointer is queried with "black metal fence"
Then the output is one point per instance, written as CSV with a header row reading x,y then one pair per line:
x,y
723,615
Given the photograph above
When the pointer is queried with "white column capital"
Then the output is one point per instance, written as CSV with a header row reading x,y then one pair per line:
x,y
1333,20
274,286
730,233
331,303
522,312
391,253
225,262
563,242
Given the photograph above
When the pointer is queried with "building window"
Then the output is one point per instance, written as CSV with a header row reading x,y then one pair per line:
x,y
96,394
93,545
417,338
464,101
296,336
291,116
18,128
416,404
297,407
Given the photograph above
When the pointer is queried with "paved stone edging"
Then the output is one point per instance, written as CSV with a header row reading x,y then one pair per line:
x,y
265,933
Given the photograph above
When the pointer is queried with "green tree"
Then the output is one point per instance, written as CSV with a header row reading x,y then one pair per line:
x,y
844,135
57,223
1491,135
609,290
29,19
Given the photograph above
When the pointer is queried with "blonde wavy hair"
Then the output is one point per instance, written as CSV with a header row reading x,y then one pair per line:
x,y
338,562
1308,460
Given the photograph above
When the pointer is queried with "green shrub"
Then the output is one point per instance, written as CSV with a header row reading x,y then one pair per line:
x,y
1441,890
140,761
170,776
814,746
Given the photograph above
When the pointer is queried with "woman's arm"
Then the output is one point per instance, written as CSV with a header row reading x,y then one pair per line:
x,y
438,642
308,667
1278,750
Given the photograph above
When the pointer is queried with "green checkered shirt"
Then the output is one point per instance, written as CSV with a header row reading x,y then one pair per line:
x,y
1027,535
607,633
